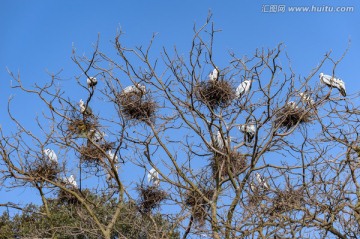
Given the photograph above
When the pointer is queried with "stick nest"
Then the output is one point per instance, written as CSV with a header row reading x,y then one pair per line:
x,y
44,169
198,204
220,163
289,116
81,126
215,93
66,197
288,200
137,106
91,153
150,198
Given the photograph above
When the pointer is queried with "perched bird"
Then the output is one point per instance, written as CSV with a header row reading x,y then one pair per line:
x,y
333,82
214,75
306,98
243,88
91,82
50,156
137,89
219,142
253,187
249,129
86,110
262,181
112,156
70,181
153,177
292,105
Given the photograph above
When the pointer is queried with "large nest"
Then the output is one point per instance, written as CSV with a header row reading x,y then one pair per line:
x,y
198,204
287,200
220,162
92,153
150,198
44,169
289,116
215,93
66,197
81,126
137,106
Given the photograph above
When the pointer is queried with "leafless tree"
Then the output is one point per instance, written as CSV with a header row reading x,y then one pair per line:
x,y
295,177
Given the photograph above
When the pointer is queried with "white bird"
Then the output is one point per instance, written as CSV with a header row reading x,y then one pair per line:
x,y
84,110
262,181
249,130
50,155
243,88
306,98
112,156
333,82
219,142
70,181
153,177
137,89
214,75
253,187
292,105
91,82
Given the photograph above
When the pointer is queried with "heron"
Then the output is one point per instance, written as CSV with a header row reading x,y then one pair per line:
x,y
333,83
243,88
91,82
153,177
50,156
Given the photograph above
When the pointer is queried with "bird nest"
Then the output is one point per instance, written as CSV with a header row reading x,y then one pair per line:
x,y
136,106
198,204
66,197
40,170
289,116
150,198
215,93
287,200
221,162
81,126
91,153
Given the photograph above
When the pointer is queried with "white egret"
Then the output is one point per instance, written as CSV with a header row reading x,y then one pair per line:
x,y
86,110
91,82
70,181
249,129
262,181
333,82
214,75
138,89
306,98
243,88
112,156
153,177
50,156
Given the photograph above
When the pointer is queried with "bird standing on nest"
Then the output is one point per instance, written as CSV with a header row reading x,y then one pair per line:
x,y
262,181
153,177
70,181
50,156
214,75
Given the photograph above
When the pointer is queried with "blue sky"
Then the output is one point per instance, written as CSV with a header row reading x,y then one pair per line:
x,y
37,36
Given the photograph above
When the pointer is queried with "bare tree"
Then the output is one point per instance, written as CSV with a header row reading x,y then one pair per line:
x,y
276,157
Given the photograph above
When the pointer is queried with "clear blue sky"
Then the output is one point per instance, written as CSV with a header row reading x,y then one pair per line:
x,y
37,36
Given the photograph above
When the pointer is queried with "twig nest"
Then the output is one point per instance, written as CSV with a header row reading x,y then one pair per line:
x,y
92,153
66,197
44,169
137,106
81,126
215,94
150,198
199,206
221,162
290,115
287,200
